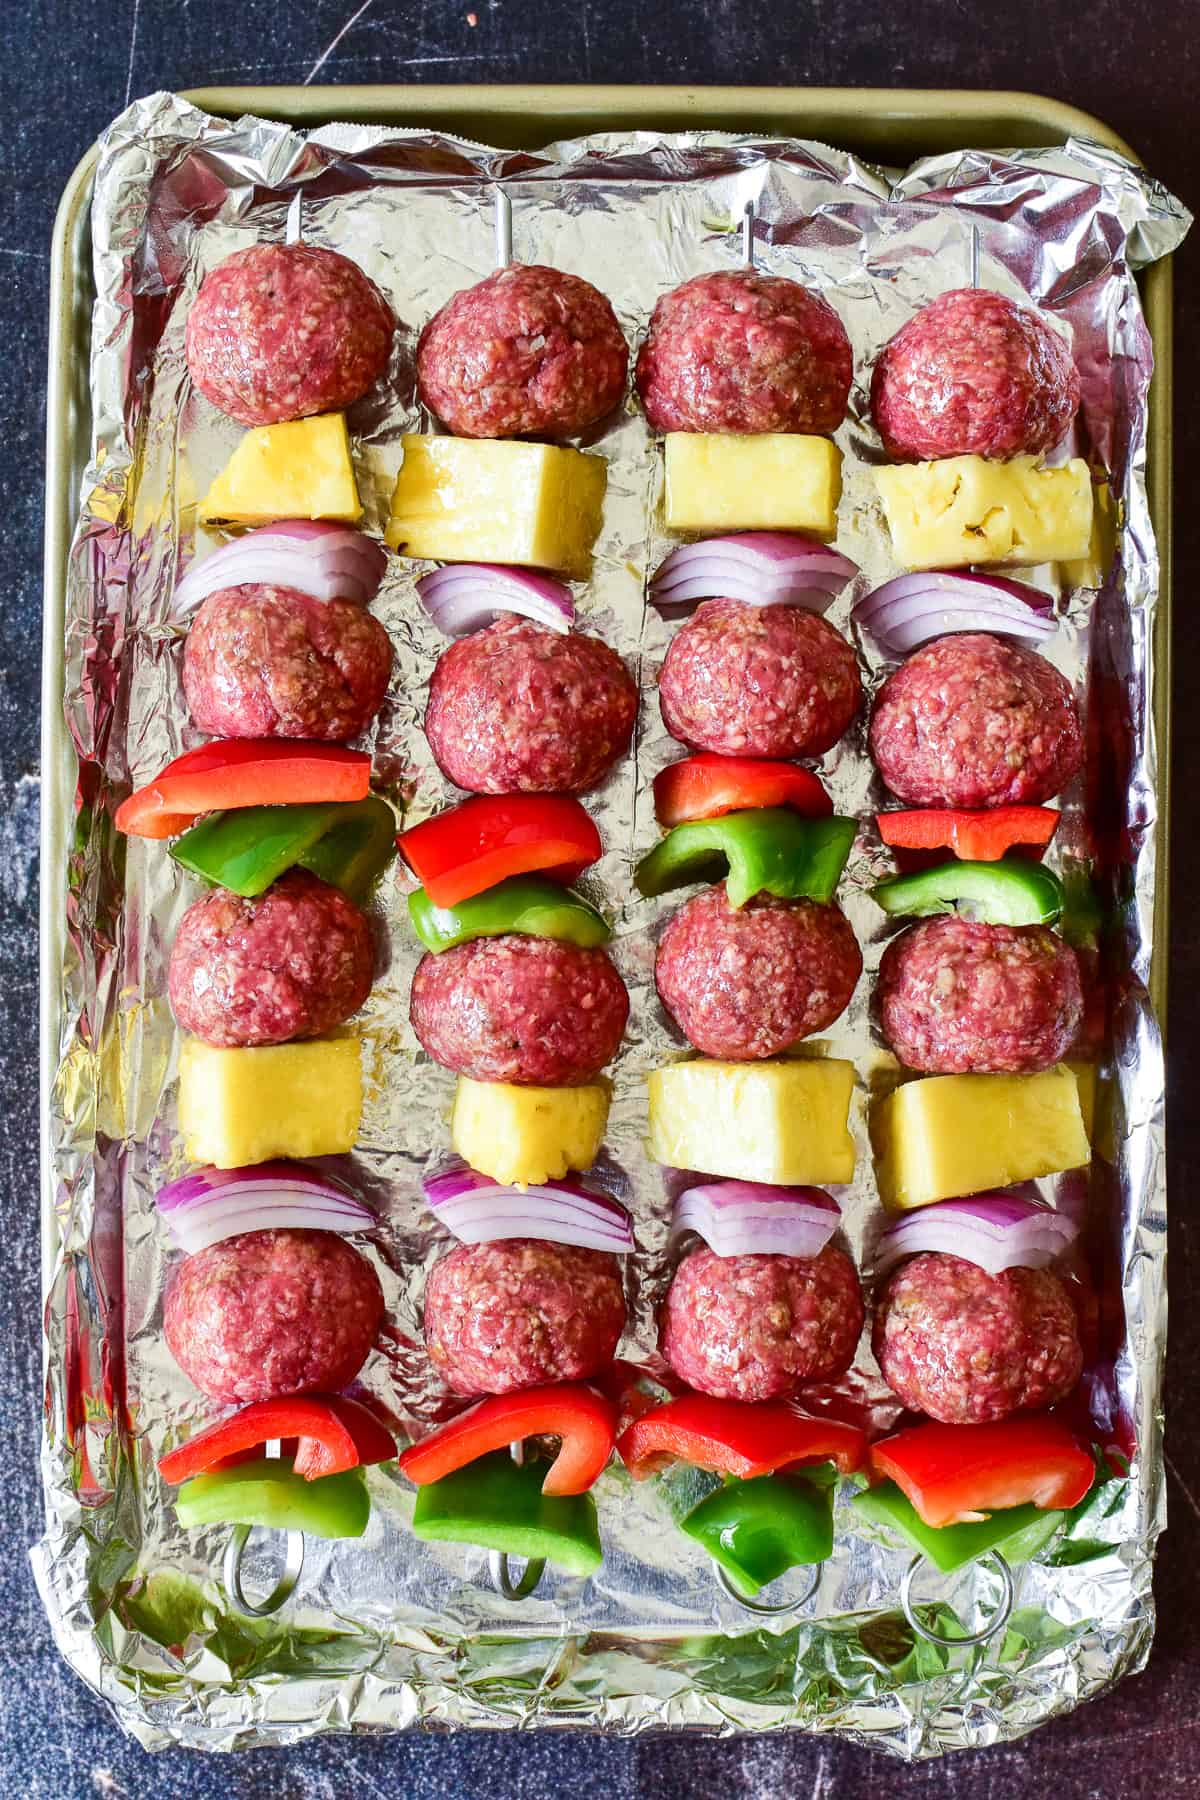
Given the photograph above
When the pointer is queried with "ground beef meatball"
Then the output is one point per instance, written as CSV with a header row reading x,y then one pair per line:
x,y
272,1313
759,1327
967,1347
974,374
530,1010
772,681
266,661
293,963
279,331
520,1312
957,996
518,709
529,351
741,352
750,983
976,721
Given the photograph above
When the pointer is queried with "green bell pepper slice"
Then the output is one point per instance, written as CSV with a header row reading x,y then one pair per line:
x,y
524,904
248,848
998,893
345,842
759,1529
1082,912
267,1491
499,1504
1018,1532
356,849
771,850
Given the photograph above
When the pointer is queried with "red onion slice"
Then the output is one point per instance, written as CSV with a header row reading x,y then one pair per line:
x,y
759,568
748,1218
328,561
480,1211
464,597
993,1231
913,609
209,1205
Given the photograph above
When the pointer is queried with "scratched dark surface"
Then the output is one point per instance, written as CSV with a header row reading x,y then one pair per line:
x,y
67,67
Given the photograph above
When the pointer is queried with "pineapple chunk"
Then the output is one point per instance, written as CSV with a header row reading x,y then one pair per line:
x,y
300,470
247,1106
496,500
776,480
947,1135
781,1122
1091,571
1087,1079
944,515
521,1136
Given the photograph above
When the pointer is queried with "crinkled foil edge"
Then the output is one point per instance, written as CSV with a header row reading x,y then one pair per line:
x,y
229,1683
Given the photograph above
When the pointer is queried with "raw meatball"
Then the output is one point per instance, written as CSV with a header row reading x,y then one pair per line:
x,y
517,709
967,1347
749,984
528,351
976,721
279,331
956,995
531,1010
974,374
741,352
266,661
272,1313
771,681
759,1327
293,963
520,1312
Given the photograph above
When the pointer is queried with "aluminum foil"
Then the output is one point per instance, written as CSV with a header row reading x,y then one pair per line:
x,y
387,1632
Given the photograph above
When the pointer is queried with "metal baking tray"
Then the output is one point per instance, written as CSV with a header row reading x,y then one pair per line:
x,y
892,126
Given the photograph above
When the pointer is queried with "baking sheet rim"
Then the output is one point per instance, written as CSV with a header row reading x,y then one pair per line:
x,y
68,322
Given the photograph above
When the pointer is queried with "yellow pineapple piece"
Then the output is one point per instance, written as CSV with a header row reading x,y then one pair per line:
x,y
1087,1079
1091,570
783,1122
947,1135
776,480
963,509
249,1105
496,500
299,470
522,1136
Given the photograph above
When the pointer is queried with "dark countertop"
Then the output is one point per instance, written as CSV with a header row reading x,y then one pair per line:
x,y
67,69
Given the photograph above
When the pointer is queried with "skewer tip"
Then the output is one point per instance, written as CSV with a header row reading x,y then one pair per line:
x,y
748,217
504,253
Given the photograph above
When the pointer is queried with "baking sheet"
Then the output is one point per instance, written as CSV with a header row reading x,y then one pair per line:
x,y
135,1602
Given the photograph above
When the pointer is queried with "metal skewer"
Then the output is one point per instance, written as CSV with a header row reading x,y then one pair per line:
x,y
998,1620
498,1563
768,1607
749,213
974,256
504,251
284,1588
235,1549
293,229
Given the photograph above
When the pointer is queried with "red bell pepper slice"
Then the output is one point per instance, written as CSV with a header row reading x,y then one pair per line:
x,y
705,786
734,1437
584,1420
334,1434
485,840
958,1473
238,772
972,836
